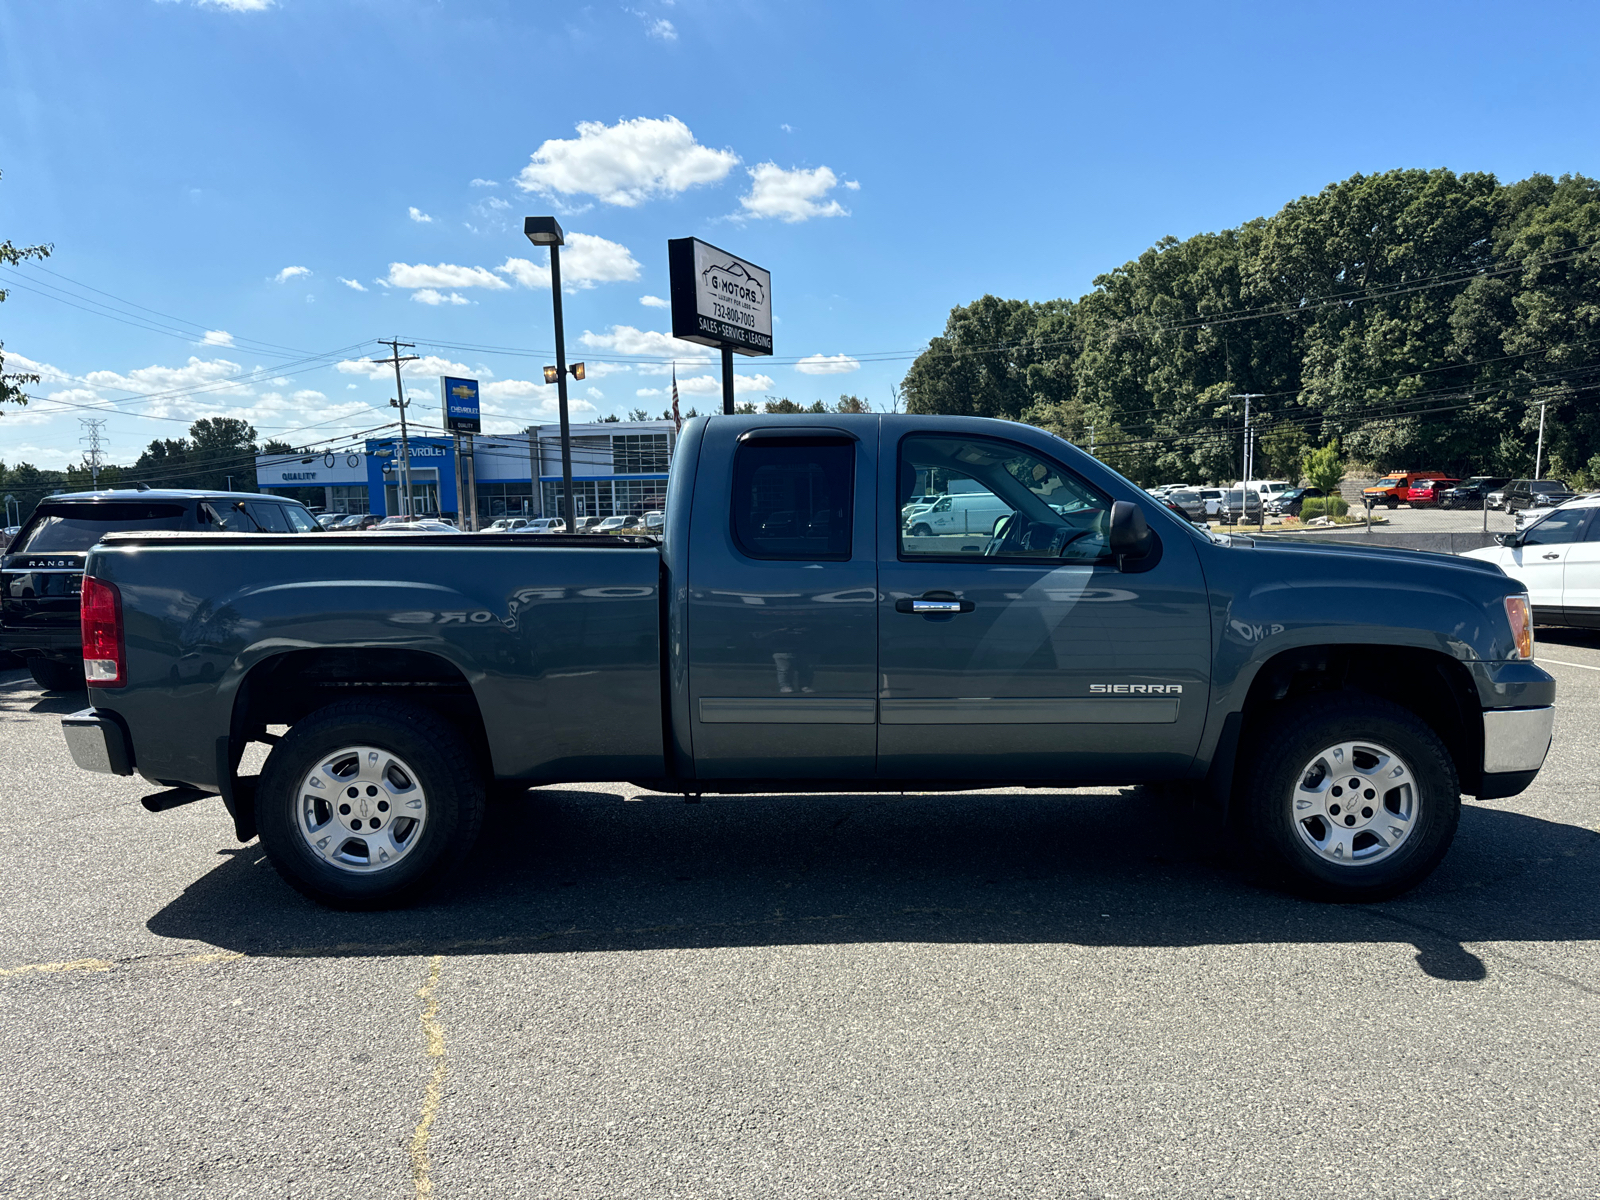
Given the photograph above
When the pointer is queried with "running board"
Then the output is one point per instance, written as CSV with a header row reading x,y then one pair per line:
x,y
173,798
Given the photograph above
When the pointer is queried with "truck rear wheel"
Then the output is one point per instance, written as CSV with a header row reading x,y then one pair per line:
x,y
369,803
1351,799
56,676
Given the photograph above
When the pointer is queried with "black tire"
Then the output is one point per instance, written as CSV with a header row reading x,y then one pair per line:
x,y
1281,838
437,760
1392,502
56,676
920,531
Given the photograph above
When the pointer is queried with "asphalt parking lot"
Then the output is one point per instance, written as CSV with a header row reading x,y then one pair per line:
x,y
1004,994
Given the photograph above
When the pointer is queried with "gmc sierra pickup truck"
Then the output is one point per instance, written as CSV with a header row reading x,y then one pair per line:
x,y
790,633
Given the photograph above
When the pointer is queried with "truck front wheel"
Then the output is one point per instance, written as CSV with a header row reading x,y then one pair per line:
x,y
1351,799
369,803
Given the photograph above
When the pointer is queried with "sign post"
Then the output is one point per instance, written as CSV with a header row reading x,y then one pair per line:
x,y
459,399
720,300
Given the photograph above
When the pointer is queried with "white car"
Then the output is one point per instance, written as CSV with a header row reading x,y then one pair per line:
x,y
611,525
544,525
507,525
1557,558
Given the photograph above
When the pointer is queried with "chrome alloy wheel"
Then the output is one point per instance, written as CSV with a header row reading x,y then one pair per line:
x,y
361,809
1355,803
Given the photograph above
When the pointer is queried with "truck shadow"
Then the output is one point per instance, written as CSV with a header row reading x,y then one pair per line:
x,y
20,694
569,871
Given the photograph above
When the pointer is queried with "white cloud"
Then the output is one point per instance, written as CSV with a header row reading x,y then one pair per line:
x,y
483,183
791,195
419,216
626,163
654,302
353,284
217,337
543,397
787,128
711,385
649,392
445,275
853,184
645,343
431,296
497,202
289,273
663,29
827,364
237,5
585,261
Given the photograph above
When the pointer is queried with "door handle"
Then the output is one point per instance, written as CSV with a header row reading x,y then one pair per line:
x,y
927,606
1556,555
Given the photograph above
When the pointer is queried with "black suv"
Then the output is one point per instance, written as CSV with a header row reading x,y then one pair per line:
x,y
1536,493
1469,493
41,571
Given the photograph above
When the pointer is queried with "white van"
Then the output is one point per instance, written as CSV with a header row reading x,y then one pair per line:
x,y
966,513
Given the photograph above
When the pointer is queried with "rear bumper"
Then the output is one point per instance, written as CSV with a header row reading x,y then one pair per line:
x,y
97,743
61,643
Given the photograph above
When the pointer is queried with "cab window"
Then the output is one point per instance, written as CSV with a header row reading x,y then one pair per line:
x,y
999,500
299,520
793,498
1560,527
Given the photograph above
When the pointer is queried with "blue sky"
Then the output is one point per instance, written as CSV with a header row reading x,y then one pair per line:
x,y
229,163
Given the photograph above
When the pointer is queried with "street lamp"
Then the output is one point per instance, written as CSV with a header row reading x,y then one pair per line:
x,y
546,231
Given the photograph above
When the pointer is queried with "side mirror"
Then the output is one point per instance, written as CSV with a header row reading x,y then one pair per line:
x,y
1130,533
1508,539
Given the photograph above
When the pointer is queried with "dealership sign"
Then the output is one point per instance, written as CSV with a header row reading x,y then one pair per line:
x,y
460,399
719,299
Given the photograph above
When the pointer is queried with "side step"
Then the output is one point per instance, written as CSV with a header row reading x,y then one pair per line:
x,y
173,798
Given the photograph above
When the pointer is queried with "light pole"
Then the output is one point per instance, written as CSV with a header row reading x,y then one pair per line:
x,y
546,231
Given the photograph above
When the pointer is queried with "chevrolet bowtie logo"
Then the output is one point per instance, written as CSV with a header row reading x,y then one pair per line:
x,y
461,392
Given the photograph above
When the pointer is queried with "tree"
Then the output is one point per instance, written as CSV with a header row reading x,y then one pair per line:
x,y
11,385
638,414
217,450
851,404
1324,468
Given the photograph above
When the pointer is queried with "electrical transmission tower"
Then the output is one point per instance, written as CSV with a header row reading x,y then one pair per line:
x,y
94,427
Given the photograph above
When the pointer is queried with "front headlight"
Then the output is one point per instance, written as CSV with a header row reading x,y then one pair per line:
x,y
1520,614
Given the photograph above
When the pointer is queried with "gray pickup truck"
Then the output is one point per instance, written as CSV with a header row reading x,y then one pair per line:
x,y
791,633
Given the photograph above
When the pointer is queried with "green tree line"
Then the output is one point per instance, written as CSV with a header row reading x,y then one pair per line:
x,y
1419,317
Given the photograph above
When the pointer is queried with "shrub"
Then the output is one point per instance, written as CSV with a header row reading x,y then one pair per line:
x,y
1317,506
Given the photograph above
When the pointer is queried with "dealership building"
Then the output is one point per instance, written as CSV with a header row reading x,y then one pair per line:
x,y
618,468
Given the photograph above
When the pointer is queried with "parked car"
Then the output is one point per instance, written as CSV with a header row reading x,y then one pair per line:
x,y
1267,488
1212,498
507,525
586,524
6,534
1287,503
613,525
1426,492
41,572
1536,493
416,527
1392,489
1557,558
1187,504
544,525
356,522
1471,493
1497,498
328,520
1099,639
1241,504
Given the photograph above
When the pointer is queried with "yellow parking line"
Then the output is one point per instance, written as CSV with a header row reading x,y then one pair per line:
x,y
433,1038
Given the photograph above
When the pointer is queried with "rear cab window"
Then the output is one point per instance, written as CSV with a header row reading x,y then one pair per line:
x,y
794,498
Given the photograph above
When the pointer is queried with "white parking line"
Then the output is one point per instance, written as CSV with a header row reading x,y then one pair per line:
x,y
1559,663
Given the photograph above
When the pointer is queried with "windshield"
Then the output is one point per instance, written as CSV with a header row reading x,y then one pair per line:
x,y
68,528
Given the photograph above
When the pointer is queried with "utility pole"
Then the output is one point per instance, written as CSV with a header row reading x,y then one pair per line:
x,y
94,426
1248,455
1538,455
400,402
1091,439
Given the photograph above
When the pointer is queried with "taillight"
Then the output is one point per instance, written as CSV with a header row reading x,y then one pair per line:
x,y
1521,618
104,660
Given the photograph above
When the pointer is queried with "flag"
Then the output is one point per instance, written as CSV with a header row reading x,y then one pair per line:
x,y
677,418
